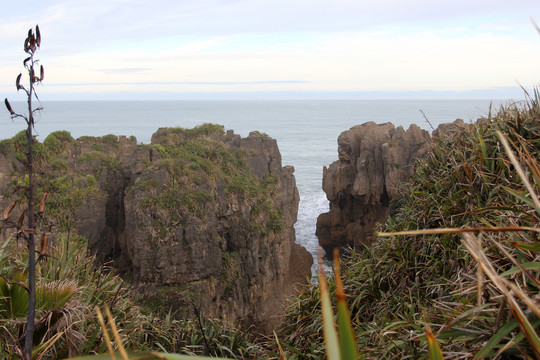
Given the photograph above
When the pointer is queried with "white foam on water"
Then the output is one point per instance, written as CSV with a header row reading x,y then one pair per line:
x,y
311,206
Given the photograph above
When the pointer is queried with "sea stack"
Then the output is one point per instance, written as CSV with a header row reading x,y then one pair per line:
x,y
374,159
199,221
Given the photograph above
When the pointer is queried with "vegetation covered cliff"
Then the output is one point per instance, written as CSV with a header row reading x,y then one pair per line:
x,y
478,291
199,220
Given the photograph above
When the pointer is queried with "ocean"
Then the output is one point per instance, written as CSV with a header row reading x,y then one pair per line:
x,y
306,130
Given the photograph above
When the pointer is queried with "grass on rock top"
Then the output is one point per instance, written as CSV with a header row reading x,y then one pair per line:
x,y
195,162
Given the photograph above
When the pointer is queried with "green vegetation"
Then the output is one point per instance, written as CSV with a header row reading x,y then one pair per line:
x,y
172,135
194,162
259,134
17,146
65,193
110,140
66,190
100,161
57,141
273,214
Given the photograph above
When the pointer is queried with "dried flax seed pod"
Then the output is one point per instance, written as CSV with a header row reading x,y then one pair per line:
x,y
9,107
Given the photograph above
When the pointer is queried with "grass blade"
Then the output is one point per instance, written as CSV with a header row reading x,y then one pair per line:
x,y
347,341
458,230
281,353
496,338
105,333
434,349
471,243
114,330
535,247
535,266
517,166
329,327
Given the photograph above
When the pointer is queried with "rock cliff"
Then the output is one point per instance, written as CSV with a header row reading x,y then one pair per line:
x,y
199,219
374,159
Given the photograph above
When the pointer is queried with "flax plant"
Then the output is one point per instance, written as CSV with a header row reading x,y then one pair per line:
x,y
31,45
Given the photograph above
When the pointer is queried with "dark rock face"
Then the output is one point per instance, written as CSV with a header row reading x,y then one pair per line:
x,y
374,159
199,219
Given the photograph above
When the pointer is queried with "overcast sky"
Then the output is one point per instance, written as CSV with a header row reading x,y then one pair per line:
x,y
107,49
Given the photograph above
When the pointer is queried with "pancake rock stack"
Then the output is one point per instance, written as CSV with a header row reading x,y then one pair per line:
x,y
374,159
198,220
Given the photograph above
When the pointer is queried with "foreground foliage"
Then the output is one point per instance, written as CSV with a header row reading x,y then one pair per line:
x,y
31,44
68,289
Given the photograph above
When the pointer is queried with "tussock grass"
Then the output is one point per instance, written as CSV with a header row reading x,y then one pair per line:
x,y
401,283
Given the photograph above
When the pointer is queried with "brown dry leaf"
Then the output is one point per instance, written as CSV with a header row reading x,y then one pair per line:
x,y
44,243
20,222
9,208
42,204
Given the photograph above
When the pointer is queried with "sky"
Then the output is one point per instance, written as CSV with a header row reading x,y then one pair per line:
x,y
233,49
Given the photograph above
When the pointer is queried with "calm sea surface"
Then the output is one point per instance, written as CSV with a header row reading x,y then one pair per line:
x,y
306,130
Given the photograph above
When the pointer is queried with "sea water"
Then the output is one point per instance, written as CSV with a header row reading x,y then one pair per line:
x,y
306,130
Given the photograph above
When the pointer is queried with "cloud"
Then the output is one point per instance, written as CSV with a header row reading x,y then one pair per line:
x,y
257,82
142,19
338,45
124,70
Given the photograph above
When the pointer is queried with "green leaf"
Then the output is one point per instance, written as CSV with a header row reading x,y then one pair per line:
x,y
434,350
496,339
527,329
518,337
346,334
526,266
292,349
347,341
527,246
13,299
329,327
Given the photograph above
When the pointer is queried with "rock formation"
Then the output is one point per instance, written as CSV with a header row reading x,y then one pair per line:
x,y
374,159
199,218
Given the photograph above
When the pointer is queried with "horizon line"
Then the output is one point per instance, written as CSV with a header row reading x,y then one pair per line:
x,y
494,93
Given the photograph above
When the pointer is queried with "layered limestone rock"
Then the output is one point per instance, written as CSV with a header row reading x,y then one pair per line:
x,y
374,159
199,219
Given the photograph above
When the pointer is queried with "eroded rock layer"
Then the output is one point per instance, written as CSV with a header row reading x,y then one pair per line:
x,y
374,159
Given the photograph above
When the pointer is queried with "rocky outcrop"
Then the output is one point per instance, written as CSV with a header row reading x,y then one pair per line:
x,y
374,159
199,219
